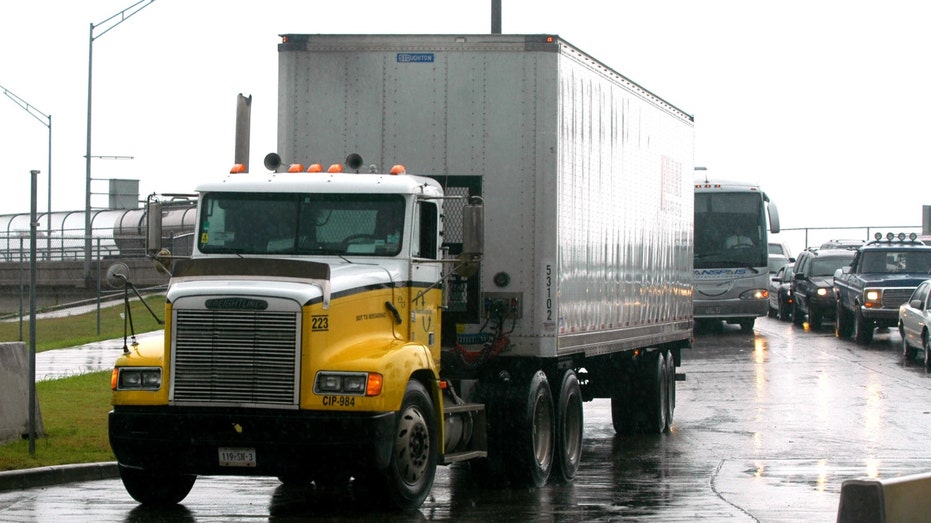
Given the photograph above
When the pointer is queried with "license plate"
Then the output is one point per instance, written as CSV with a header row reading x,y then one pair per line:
x,y
236,457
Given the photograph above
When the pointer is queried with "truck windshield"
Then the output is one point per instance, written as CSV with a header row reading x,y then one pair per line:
x,y
293,223
912,261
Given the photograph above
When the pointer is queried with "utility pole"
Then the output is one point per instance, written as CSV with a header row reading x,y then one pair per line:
x,y
105,27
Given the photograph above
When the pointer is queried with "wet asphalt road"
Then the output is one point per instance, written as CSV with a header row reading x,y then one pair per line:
x,y
767,427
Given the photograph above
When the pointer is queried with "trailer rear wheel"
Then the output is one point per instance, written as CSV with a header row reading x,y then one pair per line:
x,y
670,388
156,487
657,394
644,406
569,427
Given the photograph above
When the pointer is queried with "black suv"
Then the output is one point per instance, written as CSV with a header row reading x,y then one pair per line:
x,y
876,282
813,288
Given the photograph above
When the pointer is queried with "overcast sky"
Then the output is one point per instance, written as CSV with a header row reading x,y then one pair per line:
x,y
824,103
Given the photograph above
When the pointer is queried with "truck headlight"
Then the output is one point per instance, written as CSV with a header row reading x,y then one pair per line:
x,y
350,383
136,378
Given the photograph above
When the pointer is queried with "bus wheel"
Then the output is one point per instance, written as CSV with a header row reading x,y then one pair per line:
x,y
156,487
569,427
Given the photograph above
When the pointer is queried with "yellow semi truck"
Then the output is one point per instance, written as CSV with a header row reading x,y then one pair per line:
x,y
343,322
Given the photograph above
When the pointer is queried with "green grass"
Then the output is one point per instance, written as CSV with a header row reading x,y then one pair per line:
x,y
71,331
74,415
74,409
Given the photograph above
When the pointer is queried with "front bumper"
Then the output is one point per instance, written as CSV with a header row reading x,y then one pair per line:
x,y
188,440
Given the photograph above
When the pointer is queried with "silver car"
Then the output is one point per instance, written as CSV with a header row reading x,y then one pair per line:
x,y
914,319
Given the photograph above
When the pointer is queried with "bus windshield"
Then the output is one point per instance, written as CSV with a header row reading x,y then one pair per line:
x,y
292,223
730,230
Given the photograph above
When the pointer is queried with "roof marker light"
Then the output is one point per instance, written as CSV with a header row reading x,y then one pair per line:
x,y
238,168
315,168
295,168
398,169
335,168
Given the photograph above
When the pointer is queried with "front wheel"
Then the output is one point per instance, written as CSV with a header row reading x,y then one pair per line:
x,y
746,324
843,327
409,476
863,328
156,487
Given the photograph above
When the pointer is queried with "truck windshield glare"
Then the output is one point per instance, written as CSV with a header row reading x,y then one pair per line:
x,y
291,223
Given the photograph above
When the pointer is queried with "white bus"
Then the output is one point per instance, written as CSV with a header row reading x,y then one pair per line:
x,y
732,225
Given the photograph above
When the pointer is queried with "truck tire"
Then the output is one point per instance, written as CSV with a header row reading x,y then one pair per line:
x,y
643,406
156,487
670,389
862,328
843,327
535,437
657,395
409,477
569,427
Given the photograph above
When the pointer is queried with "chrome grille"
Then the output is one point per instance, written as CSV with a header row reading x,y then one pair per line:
x,y
892,298
243,358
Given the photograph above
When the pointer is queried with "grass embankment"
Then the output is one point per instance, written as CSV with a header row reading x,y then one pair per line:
x,y
74,409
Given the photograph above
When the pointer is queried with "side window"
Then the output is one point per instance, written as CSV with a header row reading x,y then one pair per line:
x,y
425,234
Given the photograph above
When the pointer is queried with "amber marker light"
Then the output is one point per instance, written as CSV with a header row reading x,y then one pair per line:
x,y
238,168
114,376
373,387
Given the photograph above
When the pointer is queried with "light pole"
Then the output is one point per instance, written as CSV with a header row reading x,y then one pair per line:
x,y
39,115
105,27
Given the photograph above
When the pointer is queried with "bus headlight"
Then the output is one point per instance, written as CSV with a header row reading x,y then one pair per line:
x,y
755,294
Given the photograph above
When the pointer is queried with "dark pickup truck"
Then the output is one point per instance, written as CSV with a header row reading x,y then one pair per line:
x,y
881,277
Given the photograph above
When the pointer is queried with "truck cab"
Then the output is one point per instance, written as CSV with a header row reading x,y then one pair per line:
x,y
882,275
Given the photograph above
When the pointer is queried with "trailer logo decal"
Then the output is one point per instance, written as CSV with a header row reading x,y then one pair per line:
x,y
406,58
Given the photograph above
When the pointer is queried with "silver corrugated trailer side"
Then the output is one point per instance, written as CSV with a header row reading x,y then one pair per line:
x,y
586,176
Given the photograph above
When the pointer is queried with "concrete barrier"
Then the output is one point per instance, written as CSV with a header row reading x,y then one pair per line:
x,y
14,393
900,500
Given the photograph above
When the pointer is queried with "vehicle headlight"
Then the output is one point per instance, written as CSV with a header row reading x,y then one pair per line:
x,y
823,292
349,383
755,294
136,378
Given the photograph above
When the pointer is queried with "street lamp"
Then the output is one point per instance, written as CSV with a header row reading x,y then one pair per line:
x,y
48,123
105,27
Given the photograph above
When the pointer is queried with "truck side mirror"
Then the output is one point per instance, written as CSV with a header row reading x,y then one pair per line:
x,y
473,228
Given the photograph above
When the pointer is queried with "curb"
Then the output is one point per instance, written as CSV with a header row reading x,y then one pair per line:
x,y
46,476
